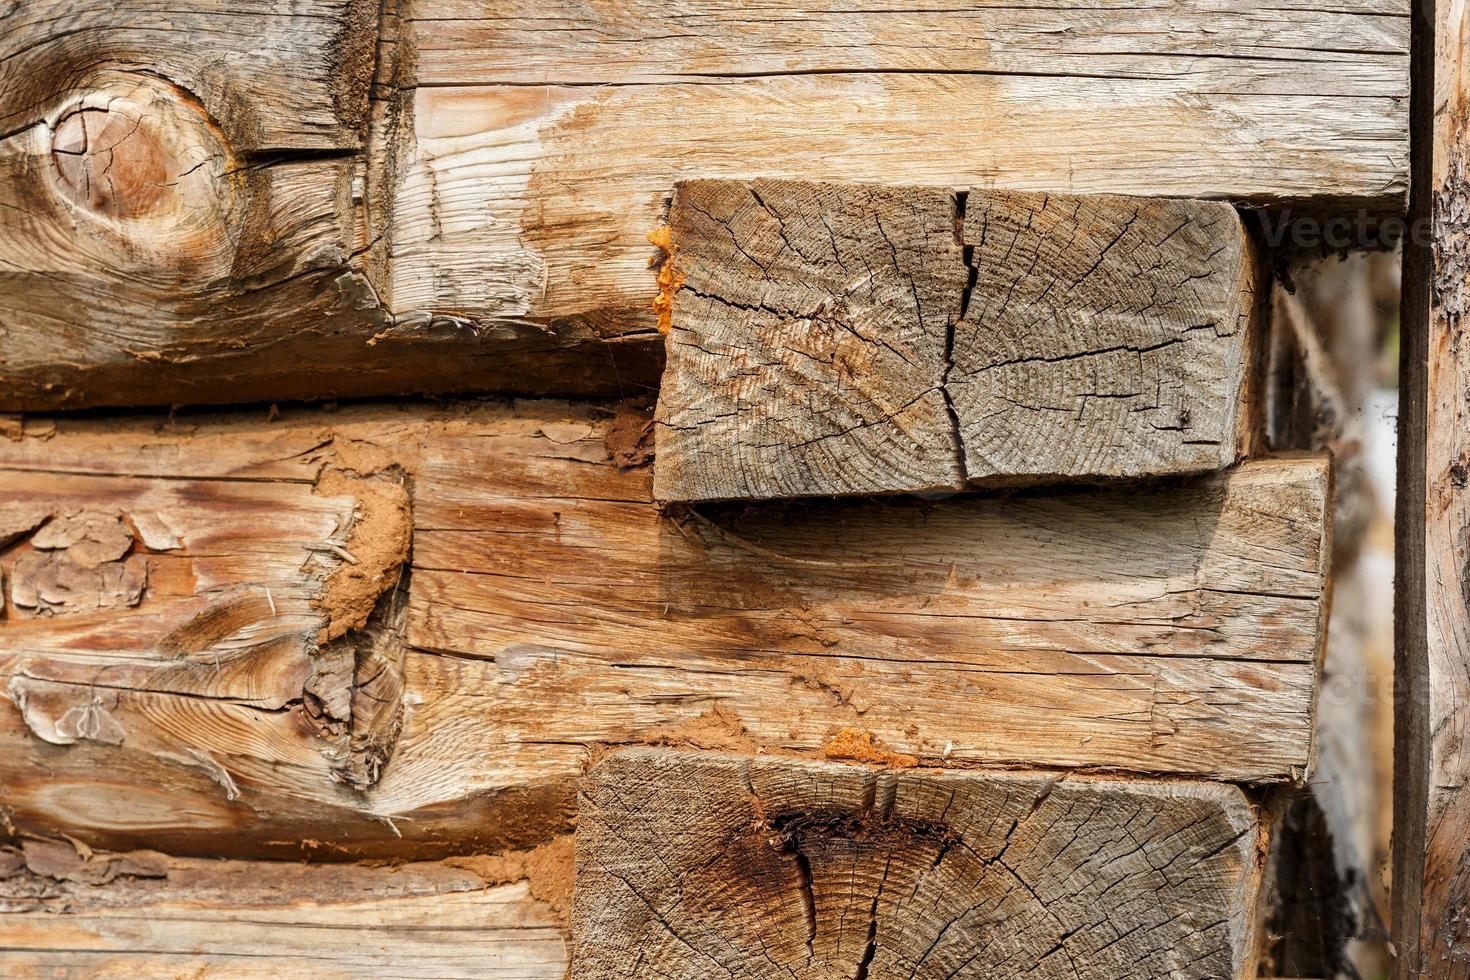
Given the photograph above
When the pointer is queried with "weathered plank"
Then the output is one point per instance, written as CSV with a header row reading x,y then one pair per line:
x,y
551,609
203,605
568,128
65,913
843,339
701,865
1431,821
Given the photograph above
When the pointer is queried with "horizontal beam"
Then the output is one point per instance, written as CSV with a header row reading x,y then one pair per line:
x,y
71,911
549,608
337,198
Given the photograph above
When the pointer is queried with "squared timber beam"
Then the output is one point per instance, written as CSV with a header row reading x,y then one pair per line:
x,y
309,199
847,339
693,865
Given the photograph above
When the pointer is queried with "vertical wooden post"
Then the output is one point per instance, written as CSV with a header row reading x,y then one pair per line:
x,y
1431,877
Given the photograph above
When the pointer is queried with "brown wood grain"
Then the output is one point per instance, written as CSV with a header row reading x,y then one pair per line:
x,y
269,200
551,610
71,912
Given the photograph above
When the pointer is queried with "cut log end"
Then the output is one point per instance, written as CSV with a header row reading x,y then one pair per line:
x,y
846,339
700,865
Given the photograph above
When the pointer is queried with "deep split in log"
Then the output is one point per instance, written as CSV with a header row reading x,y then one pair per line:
x,y
841,339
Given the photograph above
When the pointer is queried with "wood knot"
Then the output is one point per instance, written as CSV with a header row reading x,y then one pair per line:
x,y
111,160
143,158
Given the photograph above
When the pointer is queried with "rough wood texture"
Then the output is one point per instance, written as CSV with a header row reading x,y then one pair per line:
x,y
699,866
810,342
1104,336
550,608
570,127
144,914
194,208
1431,824
841,339
330,198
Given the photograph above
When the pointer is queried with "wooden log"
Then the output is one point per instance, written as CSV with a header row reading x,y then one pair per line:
x,y
74,913
571,127
841,339
334,198
1431,820
193,208
701,865
550,609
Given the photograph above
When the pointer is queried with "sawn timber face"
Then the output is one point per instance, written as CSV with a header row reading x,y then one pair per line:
x,y
549,609
835,339
695,865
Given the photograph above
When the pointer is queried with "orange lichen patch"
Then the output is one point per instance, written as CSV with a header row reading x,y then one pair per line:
x,y
859,746
669,278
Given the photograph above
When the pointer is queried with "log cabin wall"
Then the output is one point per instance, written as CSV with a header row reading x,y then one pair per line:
x,y
910,586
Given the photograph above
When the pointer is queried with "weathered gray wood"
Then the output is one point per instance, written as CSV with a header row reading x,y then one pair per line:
x,y
1431,822
552,609
841,339
809,342
1103,337
694,865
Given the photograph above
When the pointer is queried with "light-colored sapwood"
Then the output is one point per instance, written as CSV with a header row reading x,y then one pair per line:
x,y
697,865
